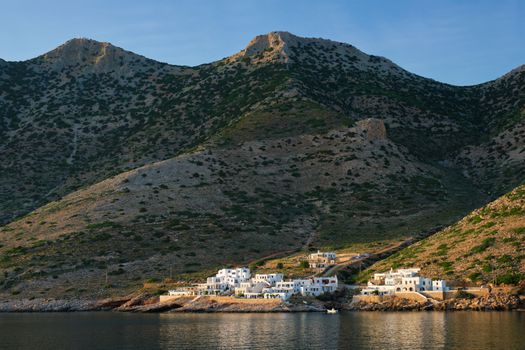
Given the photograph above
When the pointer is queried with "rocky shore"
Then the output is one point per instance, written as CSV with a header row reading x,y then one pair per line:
x,y
145,302
491,302
47,305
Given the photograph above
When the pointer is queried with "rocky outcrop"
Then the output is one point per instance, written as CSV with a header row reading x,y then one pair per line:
x,y
391,304
224,304
374,129
491,302
48,305
136,301
92,57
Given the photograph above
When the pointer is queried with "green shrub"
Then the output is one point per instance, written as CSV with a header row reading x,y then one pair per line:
x,y
101,237
510,278
487,267
475,219
104,224
504,259
304,264
446,265
475,276
487,242
464,295
519,230
120,271
16,250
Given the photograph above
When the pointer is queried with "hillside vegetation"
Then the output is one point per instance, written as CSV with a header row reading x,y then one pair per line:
x,y
117,168
487,246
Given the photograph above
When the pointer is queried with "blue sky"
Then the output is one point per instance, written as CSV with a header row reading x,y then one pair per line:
x,y
458,42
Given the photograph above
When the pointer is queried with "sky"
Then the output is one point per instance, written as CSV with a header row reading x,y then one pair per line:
x,y
452,41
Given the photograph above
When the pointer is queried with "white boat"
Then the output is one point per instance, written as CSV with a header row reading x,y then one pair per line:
x,y
331,311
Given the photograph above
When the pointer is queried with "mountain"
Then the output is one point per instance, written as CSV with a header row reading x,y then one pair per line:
x,y
486,246
114,163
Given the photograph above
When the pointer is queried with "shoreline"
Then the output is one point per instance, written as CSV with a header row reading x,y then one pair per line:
x,y
146,303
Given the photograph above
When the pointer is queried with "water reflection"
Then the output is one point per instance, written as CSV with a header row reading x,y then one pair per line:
x,y
491,330
250,331
411,330
393,330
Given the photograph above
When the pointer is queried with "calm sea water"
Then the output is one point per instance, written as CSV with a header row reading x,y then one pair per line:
x,y
417,330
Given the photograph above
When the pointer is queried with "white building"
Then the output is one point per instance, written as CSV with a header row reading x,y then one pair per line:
x,y
225,280
182,291
322,260
271,278
267,286
307,287
254,287
402,280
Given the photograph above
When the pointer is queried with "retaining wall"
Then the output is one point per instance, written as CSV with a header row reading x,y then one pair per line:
x,y
438,295
415,296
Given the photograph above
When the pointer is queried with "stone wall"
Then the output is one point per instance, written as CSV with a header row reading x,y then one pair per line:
x,y
435,295
414,296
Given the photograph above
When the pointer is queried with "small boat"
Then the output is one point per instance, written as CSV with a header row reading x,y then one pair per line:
x,y
331,311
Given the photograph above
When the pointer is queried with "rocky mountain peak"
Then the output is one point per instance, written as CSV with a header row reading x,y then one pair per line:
x,y
80,49
93,56
285,47
274,41
273,46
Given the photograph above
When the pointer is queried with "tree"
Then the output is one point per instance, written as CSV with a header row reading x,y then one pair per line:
x,y
304,264
280,265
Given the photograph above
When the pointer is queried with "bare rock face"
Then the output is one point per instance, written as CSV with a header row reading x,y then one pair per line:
x,y
274,46
284,47
373,128
140,299
492,302
91,56
268,42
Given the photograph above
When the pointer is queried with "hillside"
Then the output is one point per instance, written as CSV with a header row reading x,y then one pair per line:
x,y
487,246
88,110
150,169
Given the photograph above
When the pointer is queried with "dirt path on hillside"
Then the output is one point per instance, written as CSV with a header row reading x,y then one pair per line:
x,y
280,254
384,253
381,254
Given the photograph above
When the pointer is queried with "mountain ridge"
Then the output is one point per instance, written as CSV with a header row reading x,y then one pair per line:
x,y
147,167
74,42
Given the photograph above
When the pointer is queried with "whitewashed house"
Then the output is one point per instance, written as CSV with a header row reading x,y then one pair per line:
x,y
269,286
225,280
182,291
322,260
271,278
307,287
400,281
254,287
